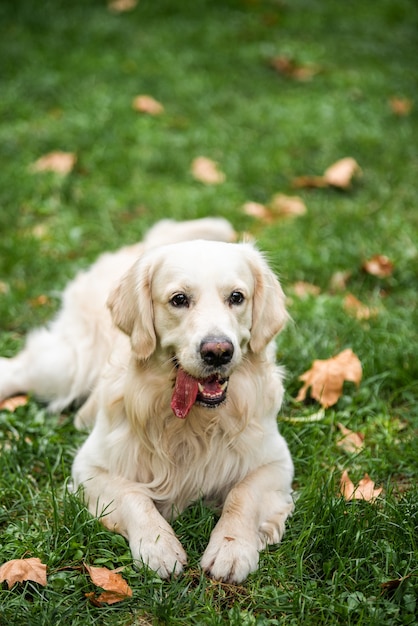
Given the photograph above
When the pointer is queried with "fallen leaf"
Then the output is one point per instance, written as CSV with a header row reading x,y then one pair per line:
x,y
303,289
379,265
115,587
391,585
354,307
289,68
58,162
364,491
4,287
147,104
401,106
206,171
11,404
351,441
257,210
121,6
339,280
21,570
326,377
316,182
340,173
40,300
284,205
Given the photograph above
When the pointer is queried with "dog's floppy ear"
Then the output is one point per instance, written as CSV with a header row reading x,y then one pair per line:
x,y
131,307
269,311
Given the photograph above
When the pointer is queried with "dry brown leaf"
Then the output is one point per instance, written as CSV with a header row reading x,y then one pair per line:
x,y
379,265
289,68
57,161
287,205
206,171
11,404
351,441
364,491
21,570
257,210
316,182
121,6
115,587
339,280
340,173
303,289
326,377
354,307
147,104
401,106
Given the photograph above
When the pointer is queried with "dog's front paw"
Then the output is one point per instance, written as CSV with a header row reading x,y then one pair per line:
x,y
230,558
164,554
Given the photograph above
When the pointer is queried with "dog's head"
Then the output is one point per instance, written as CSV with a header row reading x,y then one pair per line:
x,y
203,304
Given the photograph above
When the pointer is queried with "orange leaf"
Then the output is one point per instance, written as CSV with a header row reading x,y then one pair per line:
x,y
289,68
326,377
59,162
351,442
379,265
316,182
206,171
287,205
364,491
401,106
257,210
341,172
116,588
339,280
20,570
353,306
121,6
11,404
303,289
147,104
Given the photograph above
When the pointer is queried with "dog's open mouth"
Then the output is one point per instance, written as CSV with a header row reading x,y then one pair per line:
x,y
209,392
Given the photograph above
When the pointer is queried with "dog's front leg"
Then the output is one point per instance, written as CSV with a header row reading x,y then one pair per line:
x,y
253,516
125,507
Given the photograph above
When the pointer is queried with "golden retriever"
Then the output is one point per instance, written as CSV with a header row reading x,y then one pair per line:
x,y
183,393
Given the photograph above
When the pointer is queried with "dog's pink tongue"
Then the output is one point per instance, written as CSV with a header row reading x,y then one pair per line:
x,y
184,395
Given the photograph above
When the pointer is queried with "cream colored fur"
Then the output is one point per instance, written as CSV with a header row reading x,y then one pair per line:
x,y
141,465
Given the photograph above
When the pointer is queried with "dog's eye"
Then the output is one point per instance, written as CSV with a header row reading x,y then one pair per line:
x,y
236,297
180,300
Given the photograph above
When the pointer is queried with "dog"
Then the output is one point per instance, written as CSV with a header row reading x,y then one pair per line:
x,y
181,393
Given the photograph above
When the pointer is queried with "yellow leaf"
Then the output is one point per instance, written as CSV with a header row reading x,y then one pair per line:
x,y
21,570
364,491
206,171
351,441
326,377
147,104
57,161
11,404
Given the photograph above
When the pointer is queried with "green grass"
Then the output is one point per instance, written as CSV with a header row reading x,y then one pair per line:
x,y
69,72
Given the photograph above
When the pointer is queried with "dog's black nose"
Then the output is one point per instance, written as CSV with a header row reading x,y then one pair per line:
x,y
216,351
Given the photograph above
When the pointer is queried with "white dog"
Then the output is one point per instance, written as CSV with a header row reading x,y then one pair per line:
x,y
185,399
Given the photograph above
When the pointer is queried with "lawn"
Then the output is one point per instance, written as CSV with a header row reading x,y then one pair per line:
x,y
347,88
